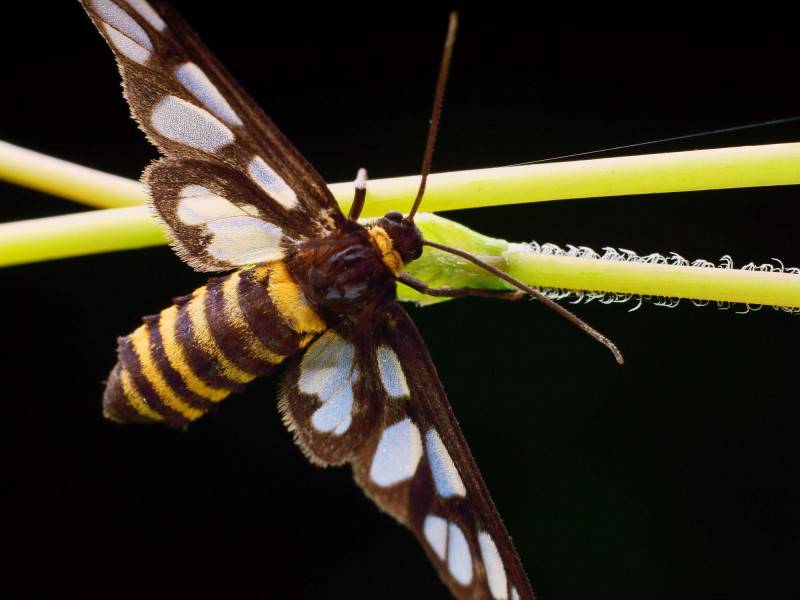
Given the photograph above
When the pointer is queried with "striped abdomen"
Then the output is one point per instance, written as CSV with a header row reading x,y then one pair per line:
x,y
180,363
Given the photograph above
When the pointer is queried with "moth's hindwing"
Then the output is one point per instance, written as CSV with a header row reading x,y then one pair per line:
x,y
214,220
372,397
192,109
326,400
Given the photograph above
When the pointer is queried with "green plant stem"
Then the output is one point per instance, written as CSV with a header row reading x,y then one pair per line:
x,y
90,232
133,227
698,283
67,180
724,168
127,228
746,166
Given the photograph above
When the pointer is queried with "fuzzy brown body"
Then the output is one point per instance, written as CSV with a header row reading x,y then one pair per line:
x,y
181,363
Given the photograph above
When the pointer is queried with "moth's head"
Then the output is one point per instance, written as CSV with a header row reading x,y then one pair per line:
x,y
406,238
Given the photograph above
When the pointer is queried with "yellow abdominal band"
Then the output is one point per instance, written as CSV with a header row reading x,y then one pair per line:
x,y
291,303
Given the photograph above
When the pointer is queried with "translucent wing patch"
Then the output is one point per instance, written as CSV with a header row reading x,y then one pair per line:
x,y
398,454
325,399
407,451
192,109
197,83
328,373
209,212
185,123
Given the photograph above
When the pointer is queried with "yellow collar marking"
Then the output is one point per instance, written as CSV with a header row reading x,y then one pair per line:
x,y
390,256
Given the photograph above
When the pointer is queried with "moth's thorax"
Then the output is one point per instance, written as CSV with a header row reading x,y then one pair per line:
x,y
343,273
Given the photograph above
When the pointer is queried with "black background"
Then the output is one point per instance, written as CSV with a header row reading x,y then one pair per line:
x,y
673,476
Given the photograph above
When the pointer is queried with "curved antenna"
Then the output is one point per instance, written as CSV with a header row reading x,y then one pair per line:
x,y
572,318
437,111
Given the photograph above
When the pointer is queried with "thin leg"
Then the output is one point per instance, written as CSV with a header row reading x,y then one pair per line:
x,y
588,329
460,292
360,196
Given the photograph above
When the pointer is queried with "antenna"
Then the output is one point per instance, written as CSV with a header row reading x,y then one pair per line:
x,y
426,167
437,111
572,318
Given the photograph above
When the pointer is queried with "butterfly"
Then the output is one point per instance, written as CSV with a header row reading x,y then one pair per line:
x,y
305,288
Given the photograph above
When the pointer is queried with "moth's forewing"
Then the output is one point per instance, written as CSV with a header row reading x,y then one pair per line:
x,y
245,175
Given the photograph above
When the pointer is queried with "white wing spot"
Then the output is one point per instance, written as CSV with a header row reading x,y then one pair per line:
x,y
392,376
199,85
244,240
198,205
327,372
117,18
183,122
334,415
459,559
397,455
435,530
148,14
445,476
237,237
514,594
495,572
126,46
269,181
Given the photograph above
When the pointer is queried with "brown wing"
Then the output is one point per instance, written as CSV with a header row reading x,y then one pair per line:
x,y
199,117
373,398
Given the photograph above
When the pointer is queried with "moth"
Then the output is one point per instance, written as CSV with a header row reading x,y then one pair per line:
x,y
306,288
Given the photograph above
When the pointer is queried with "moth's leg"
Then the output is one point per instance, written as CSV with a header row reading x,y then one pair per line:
x,y
459,292
360,196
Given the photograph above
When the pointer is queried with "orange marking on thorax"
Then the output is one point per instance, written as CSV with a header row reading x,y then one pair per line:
x,y
391,258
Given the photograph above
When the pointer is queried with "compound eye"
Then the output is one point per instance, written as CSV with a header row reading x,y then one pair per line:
x,y
393,215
